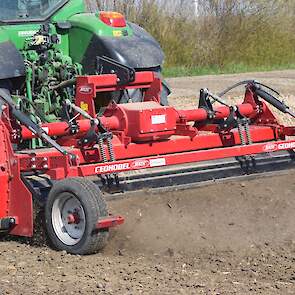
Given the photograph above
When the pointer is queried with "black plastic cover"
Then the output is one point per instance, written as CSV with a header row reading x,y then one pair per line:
x,y
11,61
139,51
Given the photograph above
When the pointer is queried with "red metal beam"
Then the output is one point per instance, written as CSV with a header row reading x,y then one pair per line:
x,y
182,158
203,145
115,123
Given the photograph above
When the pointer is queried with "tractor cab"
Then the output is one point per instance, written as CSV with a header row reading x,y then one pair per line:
x,y
13,11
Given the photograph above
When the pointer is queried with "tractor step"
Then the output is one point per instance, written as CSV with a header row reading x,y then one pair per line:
x,y
110,221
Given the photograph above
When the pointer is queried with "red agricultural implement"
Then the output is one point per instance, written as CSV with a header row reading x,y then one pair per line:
x,y
168,146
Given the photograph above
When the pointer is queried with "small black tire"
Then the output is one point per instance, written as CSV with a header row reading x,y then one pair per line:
x,y
85,200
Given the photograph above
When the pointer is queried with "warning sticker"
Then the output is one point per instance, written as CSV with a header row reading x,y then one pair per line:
x,y
158,119
158,162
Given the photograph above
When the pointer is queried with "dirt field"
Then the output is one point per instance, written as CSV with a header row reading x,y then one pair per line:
x,y
229,238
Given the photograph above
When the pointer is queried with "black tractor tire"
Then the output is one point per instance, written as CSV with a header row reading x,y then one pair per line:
x,y
6,84
3,234
165,93
82,199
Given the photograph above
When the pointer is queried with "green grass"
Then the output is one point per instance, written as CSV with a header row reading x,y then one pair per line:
x,y
215,70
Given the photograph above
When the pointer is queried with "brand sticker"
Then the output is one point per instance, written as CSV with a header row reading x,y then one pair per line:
x,y
286,146
85,89
140,164
112,168
132,165
270,147
26,33
279,147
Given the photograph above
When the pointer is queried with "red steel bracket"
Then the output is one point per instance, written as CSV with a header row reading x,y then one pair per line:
x,y
110,221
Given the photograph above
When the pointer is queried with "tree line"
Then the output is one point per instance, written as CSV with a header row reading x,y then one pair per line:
x,y
215,33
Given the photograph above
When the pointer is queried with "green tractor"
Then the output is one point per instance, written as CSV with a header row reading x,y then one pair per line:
x,y
45,44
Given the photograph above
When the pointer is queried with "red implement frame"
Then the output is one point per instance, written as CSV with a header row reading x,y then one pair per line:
x,y
173,141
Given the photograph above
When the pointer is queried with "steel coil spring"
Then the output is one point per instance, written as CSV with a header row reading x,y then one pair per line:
x,y
102,150
248,133
111,149
241,133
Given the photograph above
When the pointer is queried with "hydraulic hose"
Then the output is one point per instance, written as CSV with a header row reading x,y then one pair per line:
x,y
63,84
281,106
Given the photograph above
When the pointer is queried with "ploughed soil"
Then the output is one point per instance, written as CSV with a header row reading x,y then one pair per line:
x,y
227,238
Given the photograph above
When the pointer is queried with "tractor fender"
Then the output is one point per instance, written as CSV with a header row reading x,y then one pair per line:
x,y
11,61
139,51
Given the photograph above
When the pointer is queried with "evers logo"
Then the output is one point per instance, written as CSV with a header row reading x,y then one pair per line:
x,y
270,147
85,89
140,164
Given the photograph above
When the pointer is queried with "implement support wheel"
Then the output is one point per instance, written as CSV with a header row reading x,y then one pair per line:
x,y
72,211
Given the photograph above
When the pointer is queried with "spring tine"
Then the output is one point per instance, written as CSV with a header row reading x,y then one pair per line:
x,y
248,133
241,133
102,150
111,149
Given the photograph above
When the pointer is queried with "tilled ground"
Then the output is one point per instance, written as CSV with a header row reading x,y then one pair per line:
x,y
228,238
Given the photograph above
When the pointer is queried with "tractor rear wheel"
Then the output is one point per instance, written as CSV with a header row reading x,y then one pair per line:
x,y
136,95
73,208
